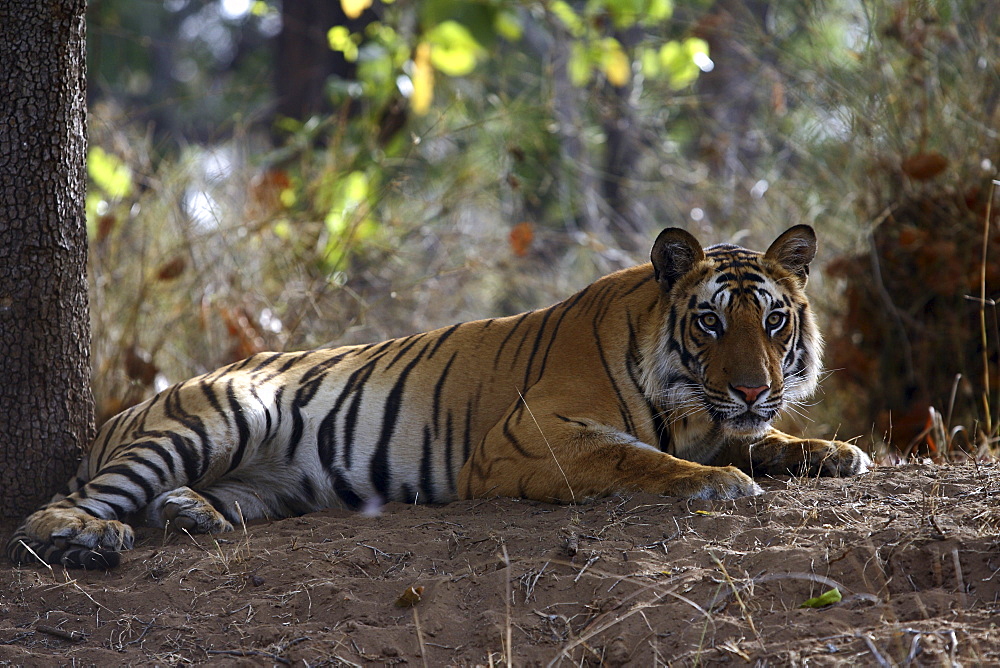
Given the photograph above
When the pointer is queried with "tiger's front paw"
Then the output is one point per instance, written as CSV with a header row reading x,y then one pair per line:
x,y
836,458
715,482
809,457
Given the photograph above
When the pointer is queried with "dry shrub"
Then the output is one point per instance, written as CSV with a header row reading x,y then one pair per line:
x,y
909,337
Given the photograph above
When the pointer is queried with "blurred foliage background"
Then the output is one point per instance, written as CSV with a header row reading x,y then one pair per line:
x,y
282,175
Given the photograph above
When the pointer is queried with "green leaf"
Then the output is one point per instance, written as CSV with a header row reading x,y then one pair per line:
x,y
579,66
680,60
649,61
354,8
824,599
349,222
454,50
565,13
614,62
508,26
478,18
341,39
109,173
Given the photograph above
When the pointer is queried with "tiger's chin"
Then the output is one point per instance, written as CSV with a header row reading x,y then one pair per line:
x,y
746,425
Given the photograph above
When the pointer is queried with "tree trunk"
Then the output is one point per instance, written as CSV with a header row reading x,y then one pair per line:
x,y
304,60
46,405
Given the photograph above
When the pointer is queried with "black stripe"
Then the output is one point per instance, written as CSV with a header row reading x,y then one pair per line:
x,y
534,349
578,423
207,388
406,493
623,409
195,461
242,426
128,471
442,338
346,492
407,344
100,491
467,436
646,279
438,391
266,360
140,459
379,468
267,413
503,344
449,465
310,381
351,420
326,434
426,479
515,442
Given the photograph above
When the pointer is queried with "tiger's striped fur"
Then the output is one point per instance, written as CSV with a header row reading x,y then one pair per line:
x,y
664,377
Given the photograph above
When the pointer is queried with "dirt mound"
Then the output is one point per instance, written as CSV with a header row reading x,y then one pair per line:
x,y
913,551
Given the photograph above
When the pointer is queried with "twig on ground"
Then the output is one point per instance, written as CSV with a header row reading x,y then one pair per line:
x,y
74,636
509,649
590,562
248,653
879,659
420,637
739,599
959,578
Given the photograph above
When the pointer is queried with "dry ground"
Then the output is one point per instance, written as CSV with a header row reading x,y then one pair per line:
x,y
643,580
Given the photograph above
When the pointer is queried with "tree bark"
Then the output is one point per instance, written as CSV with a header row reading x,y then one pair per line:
x,y
46,405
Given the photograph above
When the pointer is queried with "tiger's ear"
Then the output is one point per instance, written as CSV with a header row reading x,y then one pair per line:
x,y
794,250
674,252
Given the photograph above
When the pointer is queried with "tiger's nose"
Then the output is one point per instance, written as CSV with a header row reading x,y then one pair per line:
x,y
750,394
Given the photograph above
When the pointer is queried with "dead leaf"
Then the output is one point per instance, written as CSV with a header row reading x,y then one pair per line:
x,y
105,224
139,365
171,269
923,166
521,236
410,597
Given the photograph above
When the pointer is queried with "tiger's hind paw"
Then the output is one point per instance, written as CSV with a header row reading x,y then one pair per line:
x,y
70,536
184,509
71,527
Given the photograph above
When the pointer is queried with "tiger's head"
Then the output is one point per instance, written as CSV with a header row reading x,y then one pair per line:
x,y
738,340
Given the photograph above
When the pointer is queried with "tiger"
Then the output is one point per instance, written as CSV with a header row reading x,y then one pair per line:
x,y
662,378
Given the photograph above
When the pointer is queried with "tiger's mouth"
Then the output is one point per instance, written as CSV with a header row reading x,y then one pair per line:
x,y
748,422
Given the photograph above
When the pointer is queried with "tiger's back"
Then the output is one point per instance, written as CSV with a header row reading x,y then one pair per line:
x,y
556,404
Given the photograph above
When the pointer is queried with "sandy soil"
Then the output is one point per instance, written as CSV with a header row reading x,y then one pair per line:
x,y
914,551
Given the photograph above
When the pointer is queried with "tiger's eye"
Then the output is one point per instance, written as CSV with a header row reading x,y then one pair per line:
x,y
775,320
709,322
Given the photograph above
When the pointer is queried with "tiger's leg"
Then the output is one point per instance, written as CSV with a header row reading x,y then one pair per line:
x,y
562,459
86,528
231,501
60,532
779,453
